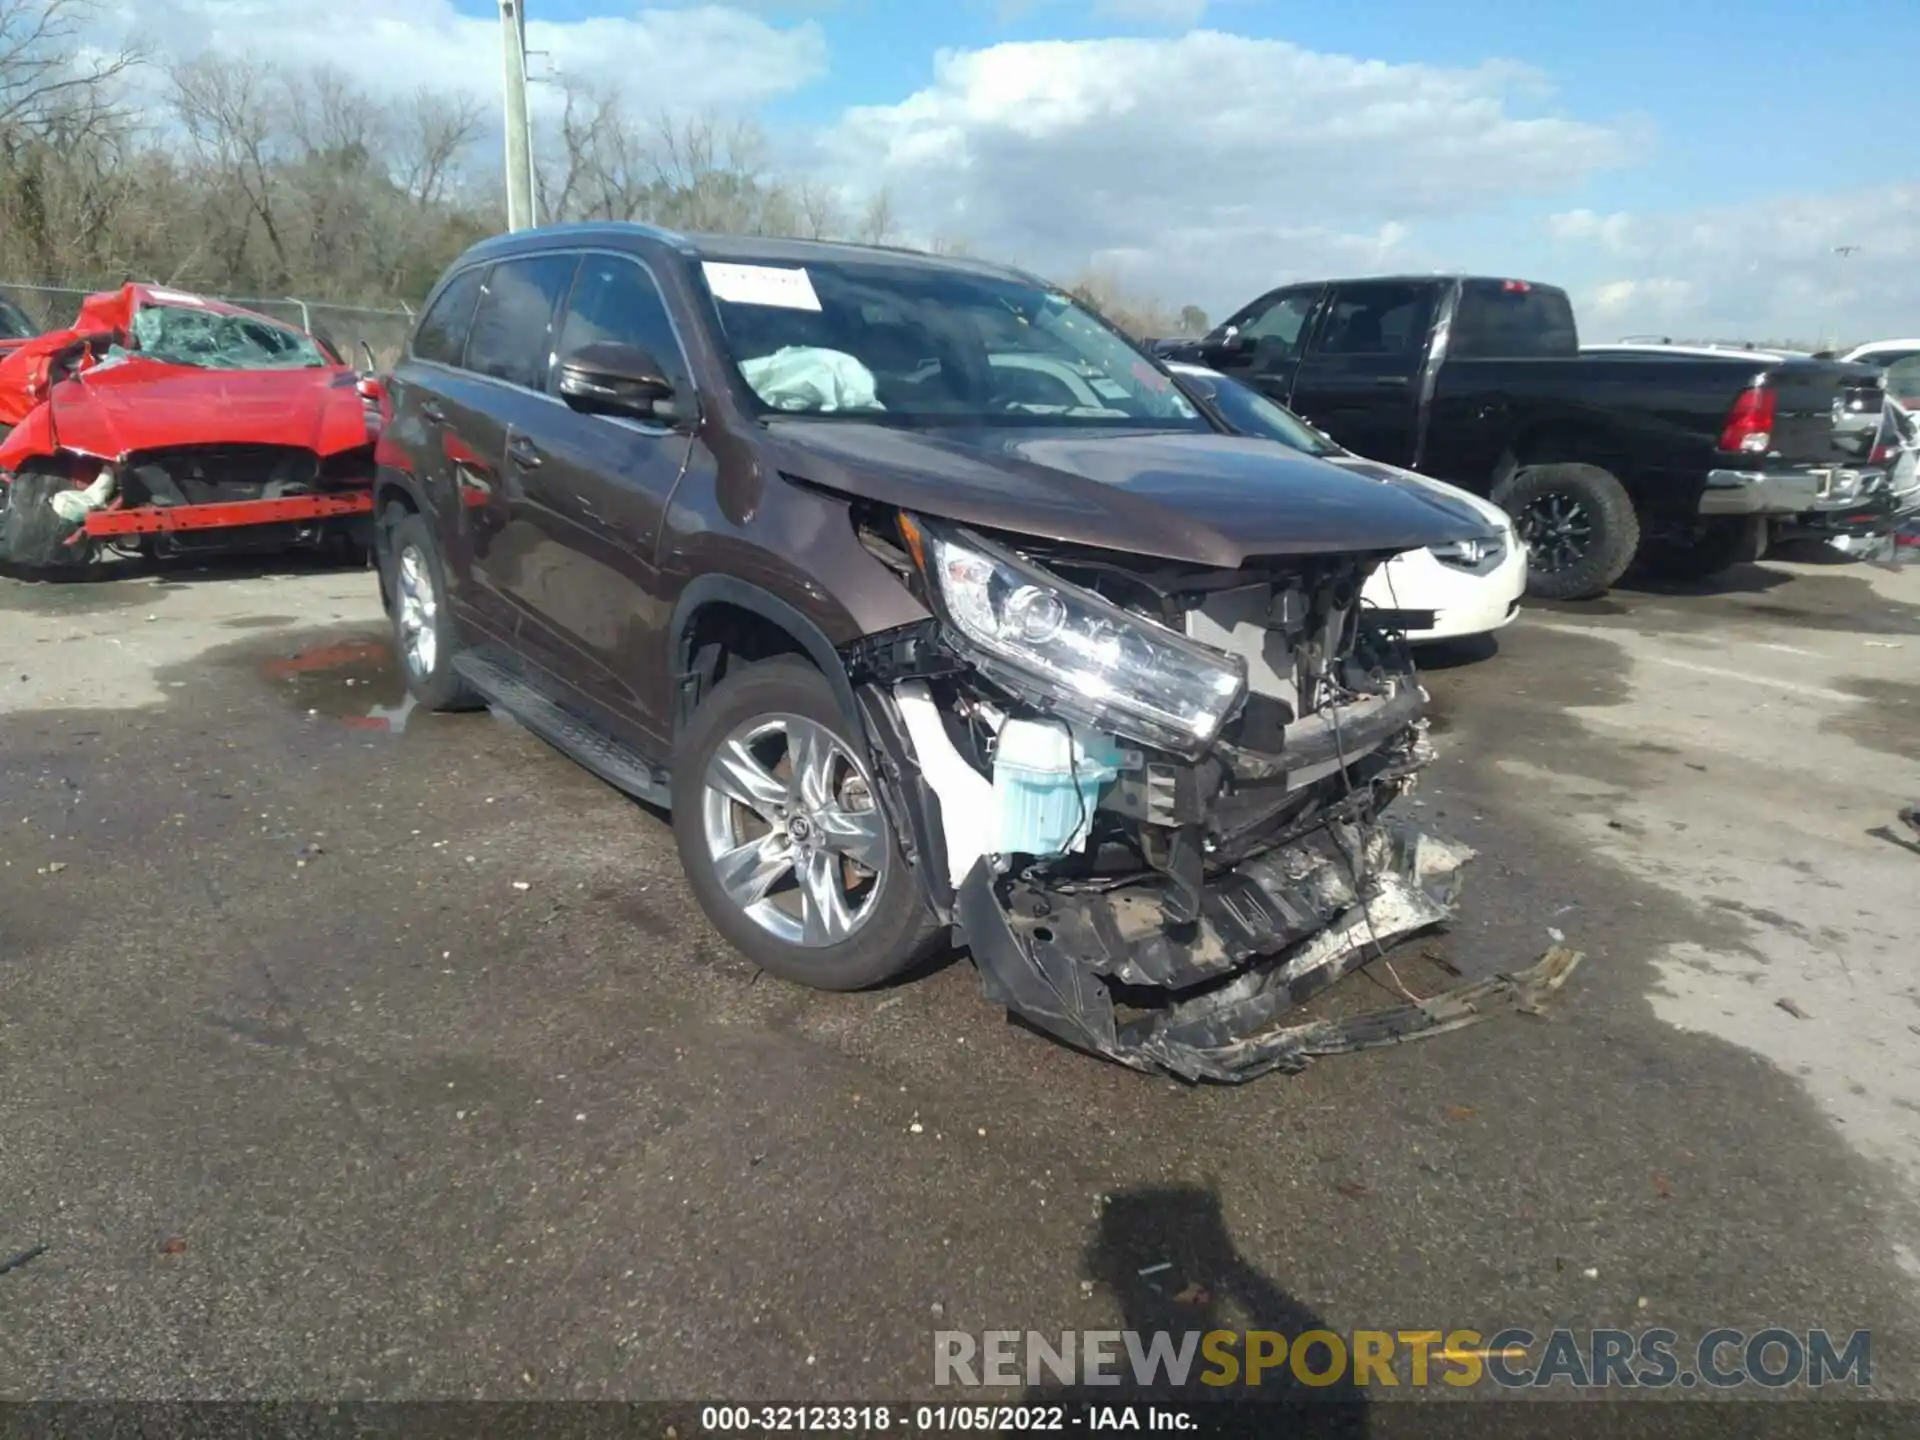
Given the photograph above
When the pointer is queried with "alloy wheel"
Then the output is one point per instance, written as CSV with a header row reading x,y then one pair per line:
x,y
794,834
419,606
1558,531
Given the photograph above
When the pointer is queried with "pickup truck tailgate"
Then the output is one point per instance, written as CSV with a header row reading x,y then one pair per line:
x,y
1825,413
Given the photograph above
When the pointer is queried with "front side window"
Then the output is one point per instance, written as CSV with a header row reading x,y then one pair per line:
x,y
615,301
911,343
442,335
1275,327
512,337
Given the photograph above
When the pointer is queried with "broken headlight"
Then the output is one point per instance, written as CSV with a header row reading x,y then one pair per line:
x,y
1071,652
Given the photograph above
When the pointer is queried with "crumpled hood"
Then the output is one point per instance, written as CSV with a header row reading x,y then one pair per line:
x,y
1199,498
137,404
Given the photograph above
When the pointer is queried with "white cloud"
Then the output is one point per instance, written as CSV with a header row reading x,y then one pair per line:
x,y
1766,270
664,59
1214,165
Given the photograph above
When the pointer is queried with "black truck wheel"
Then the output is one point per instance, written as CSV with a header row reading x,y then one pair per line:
x,y
33,536
1712,546
1578,524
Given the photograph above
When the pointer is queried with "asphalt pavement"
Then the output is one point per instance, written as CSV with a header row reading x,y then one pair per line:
x,y
347,1051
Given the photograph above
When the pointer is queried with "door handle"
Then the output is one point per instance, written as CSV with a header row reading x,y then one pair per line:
x,y
1392,382
433,412
524,453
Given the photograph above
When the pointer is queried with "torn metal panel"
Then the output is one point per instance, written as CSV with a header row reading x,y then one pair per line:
x,y
1272,934
1160,882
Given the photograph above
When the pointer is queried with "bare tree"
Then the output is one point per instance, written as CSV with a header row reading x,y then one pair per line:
x,y
233,112
45,75
272,180
432,131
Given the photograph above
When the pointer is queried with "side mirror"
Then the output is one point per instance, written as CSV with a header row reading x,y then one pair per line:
x,y
1228,346
606,378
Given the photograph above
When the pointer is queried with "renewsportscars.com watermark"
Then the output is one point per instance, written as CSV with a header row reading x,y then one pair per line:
x,y
1654,1359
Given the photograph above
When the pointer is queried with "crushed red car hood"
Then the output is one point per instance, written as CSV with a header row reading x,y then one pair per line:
x,y
137,404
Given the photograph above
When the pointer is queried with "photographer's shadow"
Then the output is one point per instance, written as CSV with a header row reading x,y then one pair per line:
x,y
1207,1285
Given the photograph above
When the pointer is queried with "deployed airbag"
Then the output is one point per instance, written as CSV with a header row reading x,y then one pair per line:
x,y
806,377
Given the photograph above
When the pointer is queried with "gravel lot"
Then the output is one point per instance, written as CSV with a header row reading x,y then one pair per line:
x,y
346,1052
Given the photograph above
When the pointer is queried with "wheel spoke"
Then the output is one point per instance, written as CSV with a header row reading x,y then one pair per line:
x,y
747,872
859,835
810,754
823,904
737,774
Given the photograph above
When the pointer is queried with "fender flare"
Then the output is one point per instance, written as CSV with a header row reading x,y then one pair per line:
x,y
714,589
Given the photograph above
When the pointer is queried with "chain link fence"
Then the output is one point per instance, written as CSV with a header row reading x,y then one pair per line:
x,y
346,327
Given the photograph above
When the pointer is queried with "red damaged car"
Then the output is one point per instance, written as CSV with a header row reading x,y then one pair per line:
x,y
164,423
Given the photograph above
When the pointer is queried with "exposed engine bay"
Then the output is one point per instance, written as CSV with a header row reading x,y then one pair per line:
x,y
1161,793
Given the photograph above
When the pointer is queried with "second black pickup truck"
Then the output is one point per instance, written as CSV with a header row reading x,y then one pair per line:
x,y
1686,460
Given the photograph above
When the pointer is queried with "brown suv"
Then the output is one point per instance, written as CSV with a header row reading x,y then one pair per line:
x,y
927,604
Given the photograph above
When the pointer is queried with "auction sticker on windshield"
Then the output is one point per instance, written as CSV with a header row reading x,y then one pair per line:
x,y
789,289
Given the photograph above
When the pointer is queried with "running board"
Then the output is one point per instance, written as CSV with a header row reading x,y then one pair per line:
x,y
620,765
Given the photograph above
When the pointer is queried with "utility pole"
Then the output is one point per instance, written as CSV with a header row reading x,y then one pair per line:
x,y
513,46
1843,251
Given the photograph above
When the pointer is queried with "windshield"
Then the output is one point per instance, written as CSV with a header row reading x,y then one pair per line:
x,y
918,344
184,336
1249,412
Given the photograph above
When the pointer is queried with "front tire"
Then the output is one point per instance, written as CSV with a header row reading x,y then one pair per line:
x,y
425,637
33,536
783,838
1579,525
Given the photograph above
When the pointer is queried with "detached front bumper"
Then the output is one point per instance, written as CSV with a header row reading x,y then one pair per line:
x,y
1211,1000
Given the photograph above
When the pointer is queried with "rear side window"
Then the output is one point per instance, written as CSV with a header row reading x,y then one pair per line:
x,y
443,330
1378,318
1510,320
616,301
512,337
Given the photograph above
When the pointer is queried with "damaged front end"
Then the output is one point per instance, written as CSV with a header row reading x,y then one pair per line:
x,y
1152,798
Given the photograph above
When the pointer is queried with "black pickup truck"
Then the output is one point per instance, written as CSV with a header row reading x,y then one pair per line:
x,y
1686,460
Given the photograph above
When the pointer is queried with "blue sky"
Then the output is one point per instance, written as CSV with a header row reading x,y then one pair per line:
x,y
1681,167
1726,86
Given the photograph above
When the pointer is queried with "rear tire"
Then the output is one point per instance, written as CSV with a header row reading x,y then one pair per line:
x,y
32,534
1579,526
798,840
1714,546
425,637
